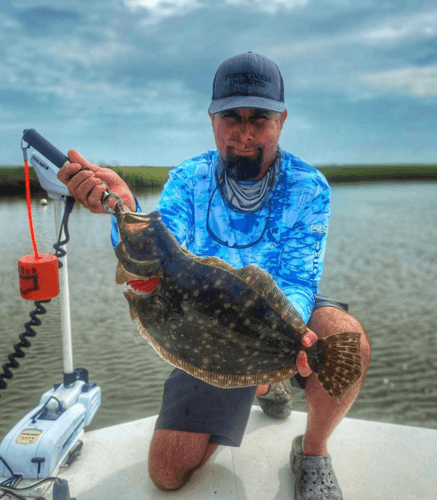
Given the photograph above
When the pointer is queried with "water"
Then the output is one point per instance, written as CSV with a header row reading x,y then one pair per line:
x,y
381,259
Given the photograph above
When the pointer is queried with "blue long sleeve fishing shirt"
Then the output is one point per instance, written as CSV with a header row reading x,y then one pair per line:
x,y
289,229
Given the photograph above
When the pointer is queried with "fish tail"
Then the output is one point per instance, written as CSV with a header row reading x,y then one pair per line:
x,y
336,361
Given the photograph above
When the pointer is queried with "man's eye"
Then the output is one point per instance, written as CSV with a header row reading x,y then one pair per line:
x,y
261,118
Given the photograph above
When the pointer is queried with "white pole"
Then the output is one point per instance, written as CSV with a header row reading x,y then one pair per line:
x,y
64,295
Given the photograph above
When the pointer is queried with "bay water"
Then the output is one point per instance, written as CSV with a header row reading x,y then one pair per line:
x,y
381,259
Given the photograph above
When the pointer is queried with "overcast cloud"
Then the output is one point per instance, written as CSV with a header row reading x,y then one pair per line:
x,y
129,82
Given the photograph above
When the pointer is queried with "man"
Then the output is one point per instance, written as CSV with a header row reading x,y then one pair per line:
x,y
248,202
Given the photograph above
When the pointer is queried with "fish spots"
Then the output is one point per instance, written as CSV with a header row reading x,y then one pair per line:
x,y
249,303
196,293
218,283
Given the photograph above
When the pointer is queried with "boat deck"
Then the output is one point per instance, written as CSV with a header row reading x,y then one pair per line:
x,y
371,460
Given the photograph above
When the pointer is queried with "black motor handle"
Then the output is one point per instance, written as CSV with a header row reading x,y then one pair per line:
x,y
43,146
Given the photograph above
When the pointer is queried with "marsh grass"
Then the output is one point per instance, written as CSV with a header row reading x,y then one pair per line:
x,y
369,173
137,178
141,178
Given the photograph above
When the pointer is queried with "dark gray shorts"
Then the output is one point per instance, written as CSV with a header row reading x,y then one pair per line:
x,y
191,405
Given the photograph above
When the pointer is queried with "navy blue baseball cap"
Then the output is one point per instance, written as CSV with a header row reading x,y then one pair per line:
x,y
248,80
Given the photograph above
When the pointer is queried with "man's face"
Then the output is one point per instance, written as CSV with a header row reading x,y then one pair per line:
x,y
249,137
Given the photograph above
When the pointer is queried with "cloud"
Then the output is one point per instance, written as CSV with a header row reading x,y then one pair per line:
x,y
397,28
46,21
419,82
159,10
271,6
82,52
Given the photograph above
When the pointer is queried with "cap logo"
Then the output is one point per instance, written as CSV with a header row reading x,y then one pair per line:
x,y
247,78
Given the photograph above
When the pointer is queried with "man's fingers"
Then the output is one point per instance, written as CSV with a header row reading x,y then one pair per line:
x,y
77,176
75,157
95,198
309,338
84,186
302,364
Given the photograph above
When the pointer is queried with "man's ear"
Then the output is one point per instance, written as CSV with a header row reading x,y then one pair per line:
x,y
283,117
212,119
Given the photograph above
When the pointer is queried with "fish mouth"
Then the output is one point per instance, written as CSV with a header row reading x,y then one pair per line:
x,y
135,284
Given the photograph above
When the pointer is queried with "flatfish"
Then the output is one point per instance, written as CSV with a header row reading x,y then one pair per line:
x,y
228,327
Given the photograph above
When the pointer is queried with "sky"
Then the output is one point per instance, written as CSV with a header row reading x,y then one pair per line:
x,y
129,82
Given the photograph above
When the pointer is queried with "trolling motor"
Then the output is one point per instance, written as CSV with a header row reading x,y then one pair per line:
x,y
50,436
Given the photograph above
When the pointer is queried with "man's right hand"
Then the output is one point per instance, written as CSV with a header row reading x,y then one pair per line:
x,y
86,183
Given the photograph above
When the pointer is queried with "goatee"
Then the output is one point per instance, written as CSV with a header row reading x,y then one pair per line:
x,y
242,168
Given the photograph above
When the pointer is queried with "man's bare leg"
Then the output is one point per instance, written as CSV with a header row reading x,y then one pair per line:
x,y
323,412
175,455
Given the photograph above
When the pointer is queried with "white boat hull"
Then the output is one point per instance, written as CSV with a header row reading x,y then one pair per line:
x,y
372,461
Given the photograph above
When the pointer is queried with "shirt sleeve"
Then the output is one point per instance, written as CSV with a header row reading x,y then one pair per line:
x,y
301,262
176,204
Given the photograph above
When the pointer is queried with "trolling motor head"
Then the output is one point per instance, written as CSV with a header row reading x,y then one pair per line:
x,y
47,172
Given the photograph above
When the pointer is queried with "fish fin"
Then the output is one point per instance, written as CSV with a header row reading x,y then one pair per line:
x,y
336,361
263,283
211,261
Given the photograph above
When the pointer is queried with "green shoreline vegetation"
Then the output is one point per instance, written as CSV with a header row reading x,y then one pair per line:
x,y
141,178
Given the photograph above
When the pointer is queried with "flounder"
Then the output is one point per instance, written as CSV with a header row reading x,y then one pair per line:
x,y
228,327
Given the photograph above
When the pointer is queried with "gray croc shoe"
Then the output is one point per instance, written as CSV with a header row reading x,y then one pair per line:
x,y
314,475
277,403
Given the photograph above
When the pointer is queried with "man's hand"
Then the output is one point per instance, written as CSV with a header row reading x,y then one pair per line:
x,y
86,183
308,339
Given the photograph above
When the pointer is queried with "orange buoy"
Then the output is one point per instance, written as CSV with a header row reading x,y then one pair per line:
x,y
39,276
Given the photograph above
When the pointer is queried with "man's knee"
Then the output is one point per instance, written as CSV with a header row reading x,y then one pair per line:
x,y
174,455
327,321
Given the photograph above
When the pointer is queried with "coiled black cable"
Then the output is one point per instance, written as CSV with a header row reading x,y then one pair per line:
x,y
35,321
24,342
60,252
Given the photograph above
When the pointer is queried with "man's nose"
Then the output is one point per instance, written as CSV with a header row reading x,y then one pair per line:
x,y
246,131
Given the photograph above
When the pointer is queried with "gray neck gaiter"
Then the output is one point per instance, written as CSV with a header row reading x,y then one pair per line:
x,y
245,195
249,195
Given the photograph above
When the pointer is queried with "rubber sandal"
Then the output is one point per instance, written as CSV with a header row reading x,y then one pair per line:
x,y
314,475
277,402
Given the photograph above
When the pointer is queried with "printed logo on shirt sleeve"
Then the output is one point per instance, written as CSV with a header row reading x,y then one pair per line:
x,y
319,228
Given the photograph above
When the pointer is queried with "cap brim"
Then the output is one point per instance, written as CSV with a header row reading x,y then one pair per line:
x,y
220,105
